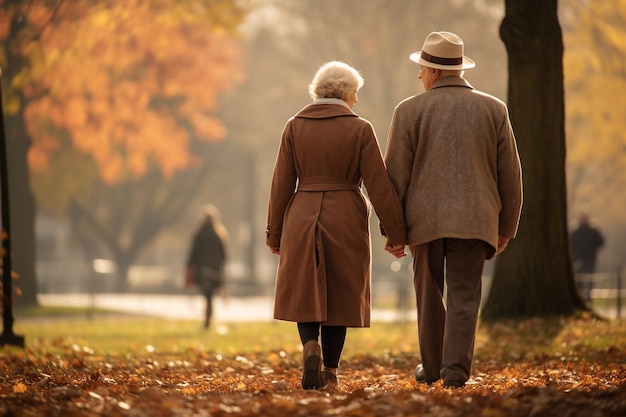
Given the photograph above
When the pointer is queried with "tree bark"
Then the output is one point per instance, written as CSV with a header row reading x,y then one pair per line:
x,y
22,207
21,198
534,276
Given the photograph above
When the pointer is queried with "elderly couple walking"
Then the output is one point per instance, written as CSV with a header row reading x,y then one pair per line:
x,y
449,188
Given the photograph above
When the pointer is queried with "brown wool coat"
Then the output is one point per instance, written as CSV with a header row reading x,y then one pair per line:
x,y
453,159
318,216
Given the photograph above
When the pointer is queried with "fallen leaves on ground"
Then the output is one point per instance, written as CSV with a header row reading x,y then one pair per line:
x,y
81,382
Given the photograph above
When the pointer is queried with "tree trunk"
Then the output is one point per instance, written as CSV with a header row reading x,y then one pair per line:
x,y
123,262
21,198
22,207
534,276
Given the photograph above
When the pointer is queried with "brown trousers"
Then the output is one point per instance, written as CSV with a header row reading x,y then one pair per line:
x,y
447,326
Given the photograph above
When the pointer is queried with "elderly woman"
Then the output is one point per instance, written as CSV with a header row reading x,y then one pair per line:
x,y
318,220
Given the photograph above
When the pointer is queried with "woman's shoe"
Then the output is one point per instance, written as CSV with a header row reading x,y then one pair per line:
x,y
329,381
312,365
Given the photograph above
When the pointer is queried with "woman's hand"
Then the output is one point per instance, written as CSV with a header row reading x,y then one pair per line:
x,y
395,250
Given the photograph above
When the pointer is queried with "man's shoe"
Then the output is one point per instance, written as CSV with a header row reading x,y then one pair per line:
x,y
312,365
453,384
420,376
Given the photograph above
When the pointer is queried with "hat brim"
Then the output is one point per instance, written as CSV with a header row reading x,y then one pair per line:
x,y
417,57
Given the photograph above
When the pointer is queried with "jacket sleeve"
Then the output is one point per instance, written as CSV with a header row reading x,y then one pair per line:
x,y
509,181
380,189
282,188
399,154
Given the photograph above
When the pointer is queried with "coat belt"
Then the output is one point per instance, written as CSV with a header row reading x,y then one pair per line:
x,y
326,184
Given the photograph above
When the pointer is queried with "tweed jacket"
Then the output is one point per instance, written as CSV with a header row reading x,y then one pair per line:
x,y
319,217
452,157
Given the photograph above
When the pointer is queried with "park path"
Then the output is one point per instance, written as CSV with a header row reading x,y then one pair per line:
x,y
226,308
189,306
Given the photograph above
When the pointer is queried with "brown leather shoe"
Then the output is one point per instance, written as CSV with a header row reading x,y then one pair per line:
x,y
329,381
312,365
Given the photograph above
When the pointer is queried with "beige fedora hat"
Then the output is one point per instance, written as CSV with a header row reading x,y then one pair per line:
x,y
443,50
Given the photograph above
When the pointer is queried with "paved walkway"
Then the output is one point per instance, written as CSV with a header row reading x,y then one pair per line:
x,y
225,309
189,306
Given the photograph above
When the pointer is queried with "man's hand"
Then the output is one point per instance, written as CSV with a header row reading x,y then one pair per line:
x,y
502,244
275,251
395,250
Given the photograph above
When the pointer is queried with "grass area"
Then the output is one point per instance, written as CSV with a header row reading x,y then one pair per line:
x,y
53,330
609,303
122,335
576,339
46,312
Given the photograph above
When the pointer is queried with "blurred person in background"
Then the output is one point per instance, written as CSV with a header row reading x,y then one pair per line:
x,y
585,241
318,220
207,258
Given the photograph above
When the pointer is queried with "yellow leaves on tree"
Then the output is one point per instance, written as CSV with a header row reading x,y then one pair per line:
x,y
595,74
131,84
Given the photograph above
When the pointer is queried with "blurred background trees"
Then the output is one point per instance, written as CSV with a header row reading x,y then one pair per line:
x,y
118,101
140,112
138,101
595,74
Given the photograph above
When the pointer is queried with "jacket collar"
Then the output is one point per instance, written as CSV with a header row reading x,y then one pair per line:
x,y
452,81
330,101
325,110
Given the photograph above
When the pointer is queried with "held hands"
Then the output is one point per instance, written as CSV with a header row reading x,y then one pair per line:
x,y
395,250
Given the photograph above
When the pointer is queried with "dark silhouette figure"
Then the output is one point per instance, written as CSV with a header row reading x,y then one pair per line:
x,y
586,241
207,257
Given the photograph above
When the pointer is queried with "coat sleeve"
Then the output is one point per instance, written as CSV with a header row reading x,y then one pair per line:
x,y
282,188
380,189
399,154
509,181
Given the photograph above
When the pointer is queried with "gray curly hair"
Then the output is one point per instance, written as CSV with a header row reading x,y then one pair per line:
x,y
335,79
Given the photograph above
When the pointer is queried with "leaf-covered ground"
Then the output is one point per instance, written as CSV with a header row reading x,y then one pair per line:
x,y
516,374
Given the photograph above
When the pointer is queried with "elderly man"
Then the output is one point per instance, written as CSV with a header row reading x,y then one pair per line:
x,y
452,156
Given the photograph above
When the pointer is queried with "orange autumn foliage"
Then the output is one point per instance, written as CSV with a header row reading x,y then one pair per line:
x,y
513,377
130,84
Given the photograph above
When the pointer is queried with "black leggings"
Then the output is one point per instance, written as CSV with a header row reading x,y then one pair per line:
x,y
333,338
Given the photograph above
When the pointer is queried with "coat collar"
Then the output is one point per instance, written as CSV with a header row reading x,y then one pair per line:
x,y
324,111
452,81
330,101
